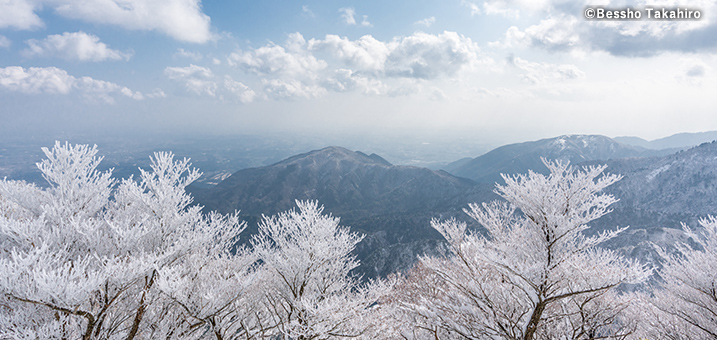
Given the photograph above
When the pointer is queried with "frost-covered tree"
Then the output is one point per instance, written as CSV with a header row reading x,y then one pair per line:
x,y
85,260
310,291
405,315
534,274
687,300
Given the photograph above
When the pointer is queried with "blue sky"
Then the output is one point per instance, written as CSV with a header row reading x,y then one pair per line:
x,y
512,70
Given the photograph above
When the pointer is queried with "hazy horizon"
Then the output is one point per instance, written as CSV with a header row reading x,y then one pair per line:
x,y
499,71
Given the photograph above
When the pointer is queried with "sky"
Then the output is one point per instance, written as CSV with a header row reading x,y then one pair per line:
x,y
513,70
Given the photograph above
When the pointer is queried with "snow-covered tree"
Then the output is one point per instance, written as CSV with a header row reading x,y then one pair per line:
x,y
83,260
534,274
404,314
310,291
687,300
58,261
214,285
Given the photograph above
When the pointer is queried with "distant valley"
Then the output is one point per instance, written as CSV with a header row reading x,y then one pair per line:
x,y
393,204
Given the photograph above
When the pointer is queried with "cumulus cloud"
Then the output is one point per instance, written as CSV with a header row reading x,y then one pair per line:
x,y
180,19
546,73
73,46
240,91
290,89
194,55
35,80
202,81
475,9
4,42
345,80
347,14
648,37
156,93
300,69
513,8
365,22
19,14
196,79
565,29
426,22
693,71
277,60
421,55
555,33
52,80
365,53
428,56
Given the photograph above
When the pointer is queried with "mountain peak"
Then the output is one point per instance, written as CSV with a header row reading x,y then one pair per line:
x,y
335,155
521,157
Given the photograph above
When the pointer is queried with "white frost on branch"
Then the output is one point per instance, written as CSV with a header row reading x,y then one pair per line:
x,y
533,274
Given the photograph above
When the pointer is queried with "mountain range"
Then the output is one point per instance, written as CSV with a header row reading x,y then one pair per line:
x,y
393,205
521,157
676,141
390,204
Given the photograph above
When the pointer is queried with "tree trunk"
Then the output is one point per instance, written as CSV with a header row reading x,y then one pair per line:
x,y
534,320
142,307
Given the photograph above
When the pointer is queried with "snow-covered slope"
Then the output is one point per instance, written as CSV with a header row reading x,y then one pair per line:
x,y
521,157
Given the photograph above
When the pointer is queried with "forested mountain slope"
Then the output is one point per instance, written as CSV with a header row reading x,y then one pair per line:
x,y
521,157
392,205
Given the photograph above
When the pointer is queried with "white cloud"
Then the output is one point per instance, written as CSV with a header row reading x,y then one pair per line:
x,y
426,22
365,22
276,60
194,55
290,89
475,9
348,15
52,80
307,12
156,93
203,82
365,54
73,46
502,93
429,56
565,29
554,33
19,14
420,55
512,8
301,70
4,42
196,79
404,90
546,73
345,80
437,94
513,38
693,71
180,19
239,90
36,80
